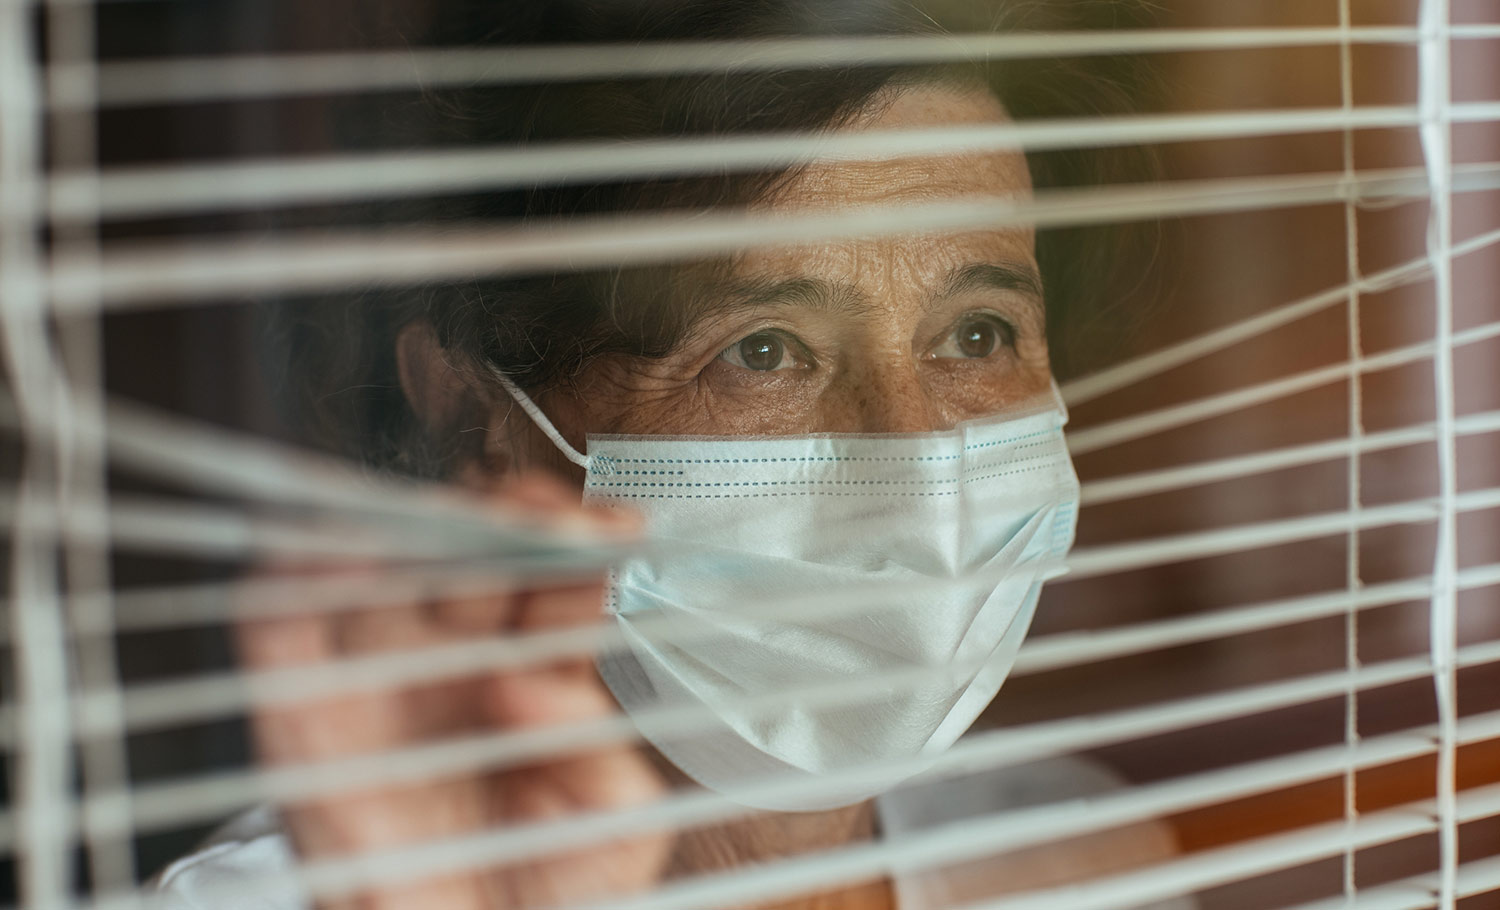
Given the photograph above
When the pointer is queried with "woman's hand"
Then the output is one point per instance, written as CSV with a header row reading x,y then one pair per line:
x,y
371,723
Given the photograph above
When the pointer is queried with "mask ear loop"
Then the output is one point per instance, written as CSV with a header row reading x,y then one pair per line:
x,y
1057,396
541,421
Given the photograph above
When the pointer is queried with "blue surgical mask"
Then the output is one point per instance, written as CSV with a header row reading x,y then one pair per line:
x,y
820,616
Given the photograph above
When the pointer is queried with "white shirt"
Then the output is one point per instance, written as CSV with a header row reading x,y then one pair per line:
x,y
241,866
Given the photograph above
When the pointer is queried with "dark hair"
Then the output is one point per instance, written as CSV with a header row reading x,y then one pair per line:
x,y
335,358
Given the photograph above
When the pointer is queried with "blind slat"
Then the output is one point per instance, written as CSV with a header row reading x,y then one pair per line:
x,y
1415,893
1145,483
1138,369
162,805
174,702
185,79
179,189
1110,559
850,864
1129,429
986,750
1216,867
181,272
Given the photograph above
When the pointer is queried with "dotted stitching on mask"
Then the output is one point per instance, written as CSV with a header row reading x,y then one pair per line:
x,y
829,458
1052,448
1051,455
769,495
1005,473
638,493
852,483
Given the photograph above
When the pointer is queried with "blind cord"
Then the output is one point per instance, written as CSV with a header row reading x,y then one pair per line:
x,y
1352,578
84,489
1434,94
43,762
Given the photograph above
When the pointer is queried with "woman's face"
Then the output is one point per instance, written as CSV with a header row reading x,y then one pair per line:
x,y
897,334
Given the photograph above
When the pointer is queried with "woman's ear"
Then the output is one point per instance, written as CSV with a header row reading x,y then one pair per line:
x,y
446,400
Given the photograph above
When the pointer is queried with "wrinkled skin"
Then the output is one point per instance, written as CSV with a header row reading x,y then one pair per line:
x,y
897,334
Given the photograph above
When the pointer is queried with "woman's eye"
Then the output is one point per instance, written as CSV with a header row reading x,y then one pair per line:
x,y
763,352
975,338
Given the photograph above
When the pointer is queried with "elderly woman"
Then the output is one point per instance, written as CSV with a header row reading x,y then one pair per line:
x,y
786,424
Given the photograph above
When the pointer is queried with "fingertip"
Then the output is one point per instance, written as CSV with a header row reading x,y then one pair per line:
x,y
478,613
539,489
619,517
284,641
539,698
558,606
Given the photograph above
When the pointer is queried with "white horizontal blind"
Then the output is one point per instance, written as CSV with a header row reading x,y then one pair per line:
x,y
250,498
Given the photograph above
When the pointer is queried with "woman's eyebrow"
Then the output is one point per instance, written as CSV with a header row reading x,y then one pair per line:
x,y
803,292
1007,276
830,297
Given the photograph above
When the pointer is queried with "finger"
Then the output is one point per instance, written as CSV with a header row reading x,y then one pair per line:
x,y
560,607
290,637
468,615
423,711
540,698
403,627
329,727
285,641
549,498
546,493
542,491
293,638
